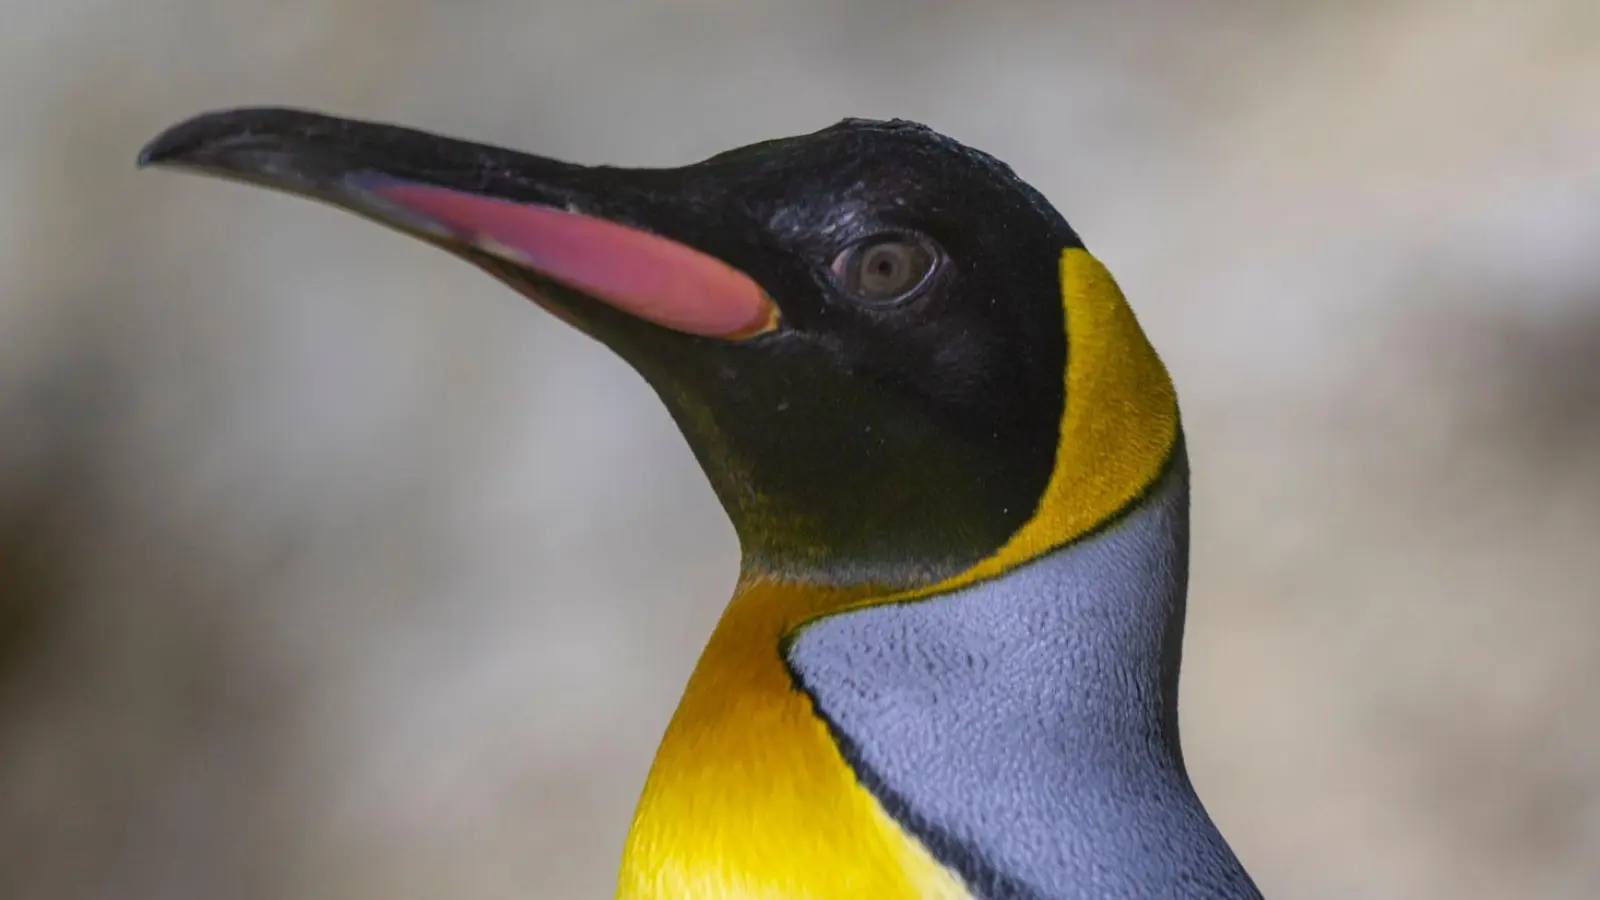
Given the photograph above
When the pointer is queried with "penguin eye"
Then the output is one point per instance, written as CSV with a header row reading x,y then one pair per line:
x,y
883,269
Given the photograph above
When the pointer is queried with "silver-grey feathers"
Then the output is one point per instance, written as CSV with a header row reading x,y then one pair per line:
x,y
1025,728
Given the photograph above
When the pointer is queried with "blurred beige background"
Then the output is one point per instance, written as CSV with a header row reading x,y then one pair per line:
x,y
331,569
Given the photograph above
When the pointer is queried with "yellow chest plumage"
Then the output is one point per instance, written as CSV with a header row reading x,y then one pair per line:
x,y
749,797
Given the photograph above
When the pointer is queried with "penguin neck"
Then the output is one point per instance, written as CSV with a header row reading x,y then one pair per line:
x,y
1012,736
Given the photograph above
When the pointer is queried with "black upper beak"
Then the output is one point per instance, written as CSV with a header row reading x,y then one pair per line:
x,y
598,231
317,155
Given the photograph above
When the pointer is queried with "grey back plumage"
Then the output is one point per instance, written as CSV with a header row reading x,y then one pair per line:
x,y
1025,728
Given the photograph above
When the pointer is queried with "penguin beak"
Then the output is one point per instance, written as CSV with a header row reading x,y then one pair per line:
x,y
606,234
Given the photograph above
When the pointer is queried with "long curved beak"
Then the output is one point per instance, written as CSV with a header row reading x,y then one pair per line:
x,y
598,231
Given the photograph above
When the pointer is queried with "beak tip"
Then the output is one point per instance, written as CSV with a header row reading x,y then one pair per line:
x,y
150,155
171,145
191,138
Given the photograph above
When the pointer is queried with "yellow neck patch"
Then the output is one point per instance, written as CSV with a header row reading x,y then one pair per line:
x,y
1118,428
749,797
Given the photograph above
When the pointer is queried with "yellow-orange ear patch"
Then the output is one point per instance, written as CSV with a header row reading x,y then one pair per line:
x,y
1118,426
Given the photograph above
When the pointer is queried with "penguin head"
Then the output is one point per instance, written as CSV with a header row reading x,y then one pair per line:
x,y
864,333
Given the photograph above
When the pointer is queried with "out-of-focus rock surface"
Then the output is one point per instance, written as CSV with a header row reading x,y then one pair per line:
x,y
331,569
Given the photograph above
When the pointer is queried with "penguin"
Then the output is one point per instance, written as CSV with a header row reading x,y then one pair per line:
x,y
955,466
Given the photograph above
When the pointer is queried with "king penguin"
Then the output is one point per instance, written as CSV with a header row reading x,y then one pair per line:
x,y
955,466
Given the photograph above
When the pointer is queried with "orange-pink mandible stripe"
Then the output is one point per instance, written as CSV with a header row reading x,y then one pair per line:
x,y
640,273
